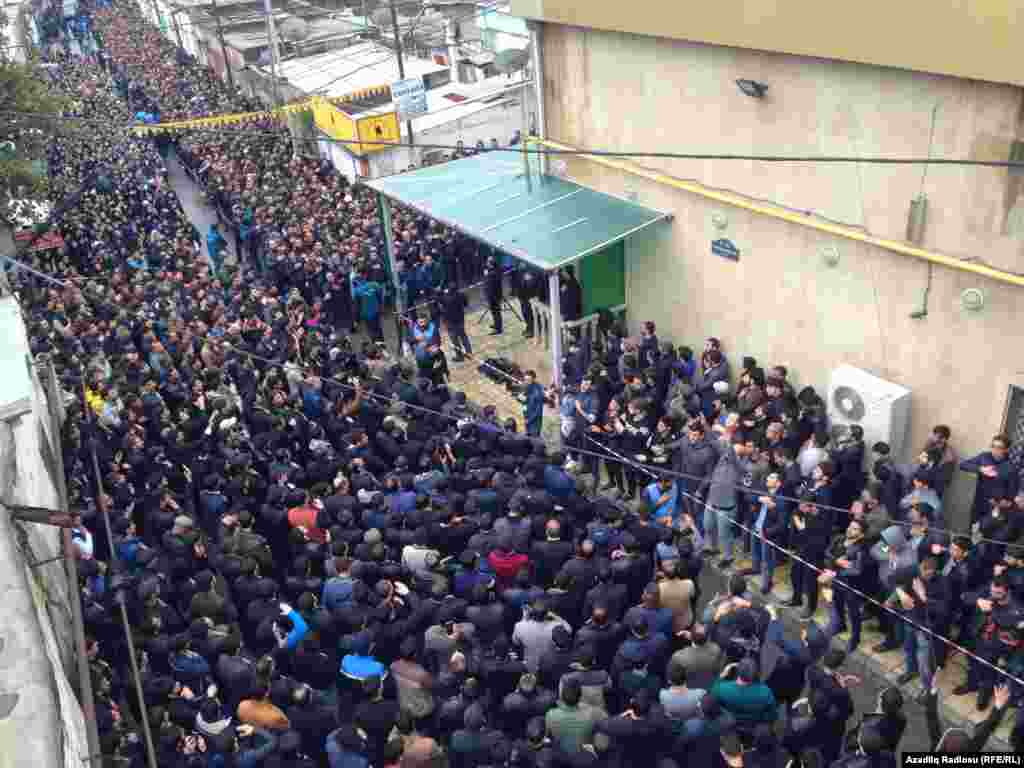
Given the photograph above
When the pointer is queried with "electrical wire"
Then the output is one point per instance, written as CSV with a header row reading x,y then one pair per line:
x,y
409,29
739,486
838,582
607,451
649,471
815,568
680,475
622,154
823,159
478,13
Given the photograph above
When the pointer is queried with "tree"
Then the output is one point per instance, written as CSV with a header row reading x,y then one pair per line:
x,y
24,94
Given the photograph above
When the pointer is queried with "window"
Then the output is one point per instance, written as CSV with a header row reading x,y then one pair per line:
x,y
1013,422
1017,156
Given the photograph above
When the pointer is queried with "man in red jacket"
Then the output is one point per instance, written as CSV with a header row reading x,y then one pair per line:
x,y
506,562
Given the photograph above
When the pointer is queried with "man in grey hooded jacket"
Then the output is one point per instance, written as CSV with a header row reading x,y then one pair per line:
x,y
695,458
720,494
897,563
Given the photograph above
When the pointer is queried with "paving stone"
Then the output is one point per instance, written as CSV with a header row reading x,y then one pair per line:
x,y
528,354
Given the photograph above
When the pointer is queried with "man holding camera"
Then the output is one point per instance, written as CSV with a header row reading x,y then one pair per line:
x,y
811,535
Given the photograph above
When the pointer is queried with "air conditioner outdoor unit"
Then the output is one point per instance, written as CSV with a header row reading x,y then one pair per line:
x,y
880,407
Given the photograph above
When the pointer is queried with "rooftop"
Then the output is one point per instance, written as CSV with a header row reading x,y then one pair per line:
x,y
15,357
253,34
457,101
244,23
354,68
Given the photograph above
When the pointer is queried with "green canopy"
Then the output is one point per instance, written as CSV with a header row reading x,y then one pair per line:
x,y
545,221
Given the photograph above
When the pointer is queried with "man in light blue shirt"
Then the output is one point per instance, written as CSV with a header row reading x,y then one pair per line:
x,y
922,493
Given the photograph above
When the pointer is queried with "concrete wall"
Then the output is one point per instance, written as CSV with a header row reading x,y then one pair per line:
x,y
28,467
780,302
619,91
499,122
41,722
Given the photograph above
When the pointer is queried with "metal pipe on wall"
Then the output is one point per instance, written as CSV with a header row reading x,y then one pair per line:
x,y
101,505
792,217
554,293
536,41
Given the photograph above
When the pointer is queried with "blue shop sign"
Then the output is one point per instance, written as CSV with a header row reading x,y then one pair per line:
x,y
725,248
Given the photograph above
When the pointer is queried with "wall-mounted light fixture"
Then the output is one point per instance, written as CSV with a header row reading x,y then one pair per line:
x,y
973,300
830,255
752,88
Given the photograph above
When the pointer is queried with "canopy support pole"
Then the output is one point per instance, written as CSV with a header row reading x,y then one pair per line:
x,y
384,206
554,291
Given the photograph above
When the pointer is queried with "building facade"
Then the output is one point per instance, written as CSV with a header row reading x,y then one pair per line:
x,y
41,721
833,258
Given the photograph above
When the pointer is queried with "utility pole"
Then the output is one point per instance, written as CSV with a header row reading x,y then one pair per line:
x,y
223,48
272,39
48,376
401,59
177,27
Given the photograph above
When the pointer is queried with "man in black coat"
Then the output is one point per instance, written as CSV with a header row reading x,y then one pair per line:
x,y
495,291
313,718
453,311
571,295
811,537
527,285
549,555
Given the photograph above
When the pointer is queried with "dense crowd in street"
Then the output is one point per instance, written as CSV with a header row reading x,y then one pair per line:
x,y
330,557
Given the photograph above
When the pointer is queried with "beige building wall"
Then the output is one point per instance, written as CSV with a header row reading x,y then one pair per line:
x,y
979,39
781,302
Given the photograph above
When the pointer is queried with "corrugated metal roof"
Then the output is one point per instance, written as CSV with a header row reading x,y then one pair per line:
x,y
546,221
441,110
350,69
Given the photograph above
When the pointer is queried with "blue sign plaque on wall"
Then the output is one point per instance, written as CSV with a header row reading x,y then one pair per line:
x,y
725,248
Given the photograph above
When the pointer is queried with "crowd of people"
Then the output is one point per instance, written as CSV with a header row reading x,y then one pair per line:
x,y
328,557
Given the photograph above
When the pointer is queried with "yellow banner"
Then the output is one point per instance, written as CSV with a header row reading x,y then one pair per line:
x,y
310,104
219,120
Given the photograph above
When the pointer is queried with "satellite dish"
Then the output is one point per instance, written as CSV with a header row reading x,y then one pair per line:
x,y
511,60
294,29
847,401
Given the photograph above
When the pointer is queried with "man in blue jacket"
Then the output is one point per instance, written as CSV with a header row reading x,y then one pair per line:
x,y
289,628
533,405
369,292
215,244
995,474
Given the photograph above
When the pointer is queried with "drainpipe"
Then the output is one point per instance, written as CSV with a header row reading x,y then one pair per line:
x,y
536,41
452,48
554,293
